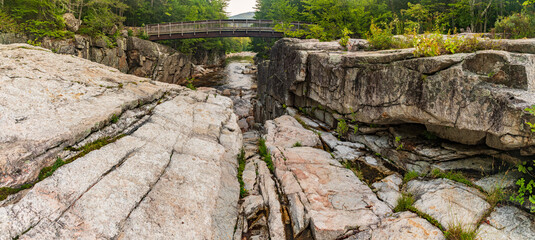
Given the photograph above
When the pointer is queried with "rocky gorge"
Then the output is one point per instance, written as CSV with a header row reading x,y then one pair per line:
x,y
131,55
321,143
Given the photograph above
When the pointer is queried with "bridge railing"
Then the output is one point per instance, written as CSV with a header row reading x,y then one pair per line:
x,y
214,26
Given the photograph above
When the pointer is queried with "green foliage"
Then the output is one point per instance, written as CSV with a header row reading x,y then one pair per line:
x,y
34,42
398,142
428,45
434,44
6,191
345,38
7,23
380,38
454,176
496,196
341,128
526,184
264,153
241,168
410,175
114,118
47,171
40,18
189,84
404,203
519,25
297,144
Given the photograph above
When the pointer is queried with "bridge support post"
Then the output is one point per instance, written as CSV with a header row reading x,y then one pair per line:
x,y
158,30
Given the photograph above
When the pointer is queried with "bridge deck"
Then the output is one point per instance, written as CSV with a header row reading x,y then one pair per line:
x,y
215,28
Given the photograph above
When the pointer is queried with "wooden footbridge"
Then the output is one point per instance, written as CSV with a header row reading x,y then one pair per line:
x,y
216,28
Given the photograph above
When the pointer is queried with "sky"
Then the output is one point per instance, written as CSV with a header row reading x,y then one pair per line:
x,y
240,6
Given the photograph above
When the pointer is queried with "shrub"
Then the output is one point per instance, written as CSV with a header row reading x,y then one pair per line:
x,y
342,128
434,44
518,25
526,183
345,39
428,45
7,23
380,38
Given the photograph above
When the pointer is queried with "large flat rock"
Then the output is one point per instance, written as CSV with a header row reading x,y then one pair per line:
x,y
50,101
406,225
450,203
507,222
173,177
470,98
322,194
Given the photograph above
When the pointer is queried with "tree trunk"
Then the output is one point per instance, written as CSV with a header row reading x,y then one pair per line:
x,y
485,13
472,20
81,8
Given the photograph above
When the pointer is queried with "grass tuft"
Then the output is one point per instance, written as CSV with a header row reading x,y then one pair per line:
x,y
114,118
241,167
355,171
297,144
404,203
264,153
410,175
459,232
454,176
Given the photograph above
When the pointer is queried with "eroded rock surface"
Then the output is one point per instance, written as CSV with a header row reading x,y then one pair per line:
x,y
451,203
47,106
322,194
507,222
174,176
468,98
406,225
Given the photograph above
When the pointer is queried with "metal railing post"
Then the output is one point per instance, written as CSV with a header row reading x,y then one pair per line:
x,y
182,28
220,26
158,30
169,29
233,25
194,28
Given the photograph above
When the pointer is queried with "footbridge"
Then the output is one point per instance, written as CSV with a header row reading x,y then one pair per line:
x,y
216,28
